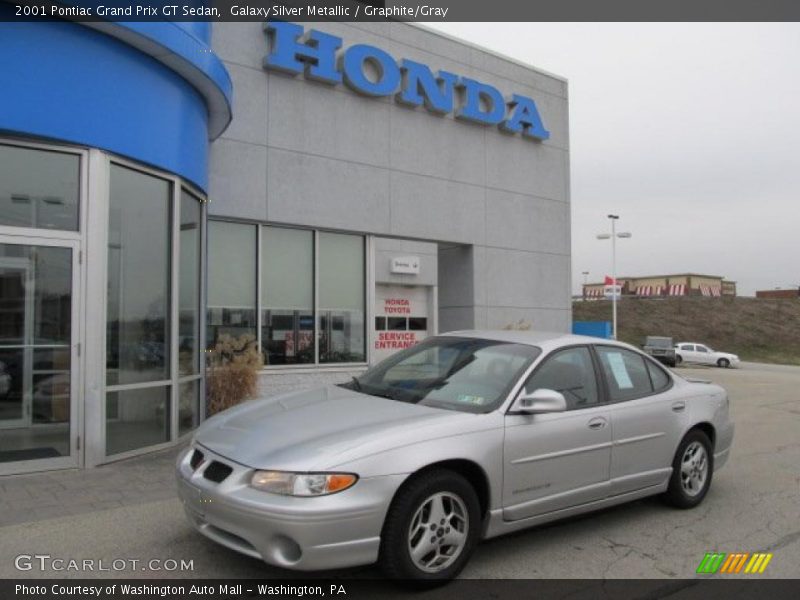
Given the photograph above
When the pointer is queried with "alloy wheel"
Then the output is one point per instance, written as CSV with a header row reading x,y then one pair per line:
x,y
438,532
694,469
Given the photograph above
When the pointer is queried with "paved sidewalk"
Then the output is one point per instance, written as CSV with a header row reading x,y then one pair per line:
x,y
27,498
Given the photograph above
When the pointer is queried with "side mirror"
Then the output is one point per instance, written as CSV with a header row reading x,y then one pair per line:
x,y
539,402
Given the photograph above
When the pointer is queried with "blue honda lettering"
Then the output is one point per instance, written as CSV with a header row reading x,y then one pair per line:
x,y
388,74
420,86
373,72
476,95
525,118
317,55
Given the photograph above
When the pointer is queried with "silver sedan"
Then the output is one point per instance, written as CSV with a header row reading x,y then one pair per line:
x,y
462,437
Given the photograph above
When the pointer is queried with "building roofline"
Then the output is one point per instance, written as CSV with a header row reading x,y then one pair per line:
x,y
485,49
621,277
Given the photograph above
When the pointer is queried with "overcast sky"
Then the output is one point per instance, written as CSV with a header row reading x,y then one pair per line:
x,y
690,132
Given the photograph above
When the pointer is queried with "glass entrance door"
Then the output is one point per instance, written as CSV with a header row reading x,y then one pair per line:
x,y
38,352
14,408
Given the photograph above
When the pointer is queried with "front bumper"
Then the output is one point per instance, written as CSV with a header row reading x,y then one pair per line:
x,y
309,534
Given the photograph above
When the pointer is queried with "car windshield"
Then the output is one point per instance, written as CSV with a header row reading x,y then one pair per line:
x,y
463,374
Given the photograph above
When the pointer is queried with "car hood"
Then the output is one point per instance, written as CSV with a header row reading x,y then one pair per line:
x,y
321,428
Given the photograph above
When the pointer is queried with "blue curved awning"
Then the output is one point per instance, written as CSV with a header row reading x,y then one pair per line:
x,y
153,92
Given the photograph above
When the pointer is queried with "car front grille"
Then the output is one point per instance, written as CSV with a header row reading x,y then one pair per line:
x,y
196,460
217,471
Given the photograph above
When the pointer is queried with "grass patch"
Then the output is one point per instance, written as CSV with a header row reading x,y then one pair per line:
x,y
757,329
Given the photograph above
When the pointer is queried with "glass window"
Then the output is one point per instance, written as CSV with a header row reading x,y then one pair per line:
x,y
396,323
569,372
41,275
136,418
188,406
35,351
701,349
287,295
138,278
341,298
687,347
625,372
39,188
658,376
417,324
231,280
286,299
189,297
380,323
464,374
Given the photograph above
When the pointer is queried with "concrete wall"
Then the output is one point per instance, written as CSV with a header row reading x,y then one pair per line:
x,y
497,205
272,383
386,249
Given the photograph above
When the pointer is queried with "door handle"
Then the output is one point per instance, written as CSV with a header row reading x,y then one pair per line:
x,y
679,406
597,423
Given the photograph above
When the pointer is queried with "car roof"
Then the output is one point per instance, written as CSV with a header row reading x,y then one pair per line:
x,y
546,340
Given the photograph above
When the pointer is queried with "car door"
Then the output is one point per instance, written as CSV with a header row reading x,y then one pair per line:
x,y
647,419
704,355
687,353
557,460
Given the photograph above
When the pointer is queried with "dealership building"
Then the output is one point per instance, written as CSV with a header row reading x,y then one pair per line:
x,y
656,286
336,191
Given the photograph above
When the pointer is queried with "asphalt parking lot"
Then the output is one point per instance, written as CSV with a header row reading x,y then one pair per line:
x,y
753,505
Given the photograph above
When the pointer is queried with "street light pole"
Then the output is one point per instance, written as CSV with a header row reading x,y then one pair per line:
x,y
614,273
615,287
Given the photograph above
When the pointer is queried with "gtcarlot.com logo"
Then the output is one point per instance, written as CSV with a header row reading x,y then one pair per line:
x,y
734,563
46,562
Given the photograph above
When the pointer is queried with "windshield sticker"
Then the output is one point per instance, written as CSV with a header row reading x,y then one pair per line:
x,y
617,364
469,399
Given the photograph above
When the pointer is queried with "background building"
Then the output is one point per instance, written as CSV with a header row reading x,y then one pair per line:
x,y
683,284
790,293
159,187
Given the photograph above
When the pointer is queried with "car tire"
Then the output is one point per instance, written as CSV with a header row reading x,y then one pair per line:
x,y
723,363
452,500
678,359
692,471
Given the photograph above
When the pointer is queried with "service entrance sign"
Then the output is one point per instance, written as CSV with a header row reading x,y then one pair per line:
x,y
402,318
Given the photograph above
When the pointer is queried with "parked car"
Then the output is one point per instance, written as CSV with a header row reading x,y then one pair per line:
x,y
660,348
692,352
462,437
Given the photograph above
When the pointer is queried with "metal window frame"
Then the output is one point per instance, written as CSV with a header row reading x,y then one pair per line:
x,y
76,241
54,234
100,389
369,294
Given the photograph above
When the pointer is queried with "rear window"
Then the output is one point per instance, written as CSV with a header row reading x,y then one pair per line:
x,y
658,376
659,342
625,372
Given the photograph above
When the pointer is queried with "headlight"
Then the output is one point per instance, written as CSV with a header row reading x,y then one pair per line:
x,y
302,484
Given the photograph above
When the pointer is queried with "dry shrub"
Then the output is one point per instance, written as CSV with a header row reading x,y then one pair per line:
x,y
232,376
521,325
